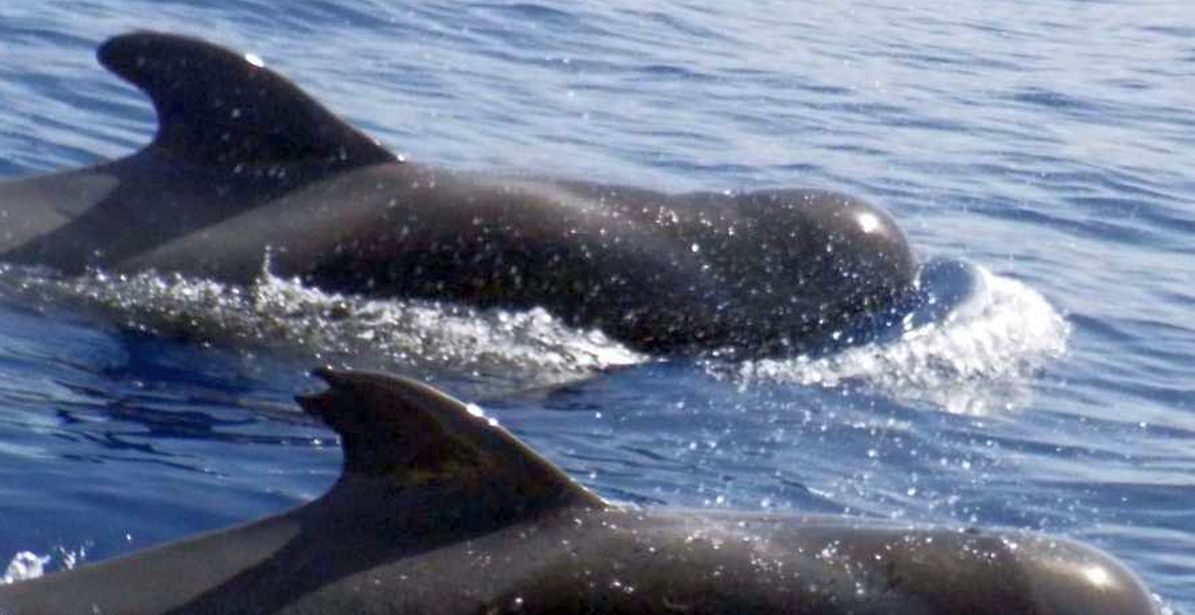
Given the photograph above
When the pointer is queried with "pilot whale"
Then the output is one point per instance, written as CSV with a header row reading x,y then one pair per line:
x,y
244,163
438,510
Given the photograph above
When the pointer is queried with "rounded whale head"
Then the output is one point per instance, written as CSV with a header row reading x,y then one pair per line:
x,y
820,260
861,257
1066,578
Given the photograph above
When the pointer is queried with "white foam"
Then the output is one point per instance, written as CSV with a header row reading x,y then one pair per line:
x,y
24,566
27,565
975,360
530,347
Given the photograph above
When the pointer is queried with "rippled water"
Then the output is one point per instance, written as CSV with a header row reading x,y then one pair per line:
x,y
1042,149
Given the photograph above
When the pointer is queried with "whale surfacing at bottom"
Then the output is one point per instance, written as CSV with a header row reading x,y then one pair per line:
x,y
440,511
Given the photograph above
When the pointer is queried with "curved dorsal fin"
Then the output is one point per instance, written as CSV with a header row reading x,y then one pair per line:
x,y
216,107
414,435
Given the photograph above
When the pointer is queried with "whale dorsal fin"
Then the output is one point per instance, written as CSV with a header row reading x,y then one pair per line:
x,y
414,435
217,107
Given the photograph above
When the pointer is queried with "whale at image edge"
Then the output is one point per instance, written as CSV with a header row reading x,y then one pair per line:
x,y
439,510
245,163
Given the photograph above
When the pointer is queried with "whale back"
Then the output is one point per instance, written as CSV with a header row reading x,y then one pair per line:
x,y
232,135
440,511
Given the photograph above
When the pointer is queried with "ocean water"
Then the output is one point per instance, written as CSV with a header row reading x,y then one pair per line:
x,y
1039,154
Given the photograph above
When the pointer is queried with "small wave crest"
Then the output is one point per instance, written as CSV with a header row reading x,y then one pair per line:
x,y
975,358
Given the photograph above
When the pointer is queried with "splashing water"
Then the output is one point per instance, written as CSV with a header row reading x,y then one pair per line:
x,y
27,565
416,337
970,350
24,565
974,359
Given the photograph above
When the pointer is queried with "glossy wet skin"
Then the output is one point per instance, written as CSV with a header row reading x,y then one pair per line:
x,y
584,560
459,517
763,272
244,161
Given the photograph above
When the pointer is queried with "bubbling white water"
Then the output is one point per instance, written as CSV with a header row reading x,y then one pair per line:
x,y
977,359
522,348
24,565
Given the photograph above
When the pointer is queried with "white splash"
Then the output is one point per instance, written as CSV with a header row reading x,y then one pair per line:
x,y
975,360
27,565
24,566
529,347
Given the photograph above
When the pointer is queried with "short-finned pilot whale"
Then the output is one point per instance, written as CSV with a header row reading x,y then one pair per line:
x,y
244,162
440,511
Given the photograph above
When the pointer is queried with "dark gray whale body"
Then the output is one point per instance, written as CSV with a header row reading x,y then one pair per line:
x,y
244,161
439,511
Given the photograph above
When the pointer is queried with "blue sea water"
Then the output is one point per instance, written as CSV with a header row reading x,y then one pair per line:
x,y
1045,149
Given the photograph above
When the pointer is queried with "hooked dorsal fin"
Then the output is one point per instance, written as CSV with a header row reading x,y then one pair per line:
x,y
217,107
414,435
